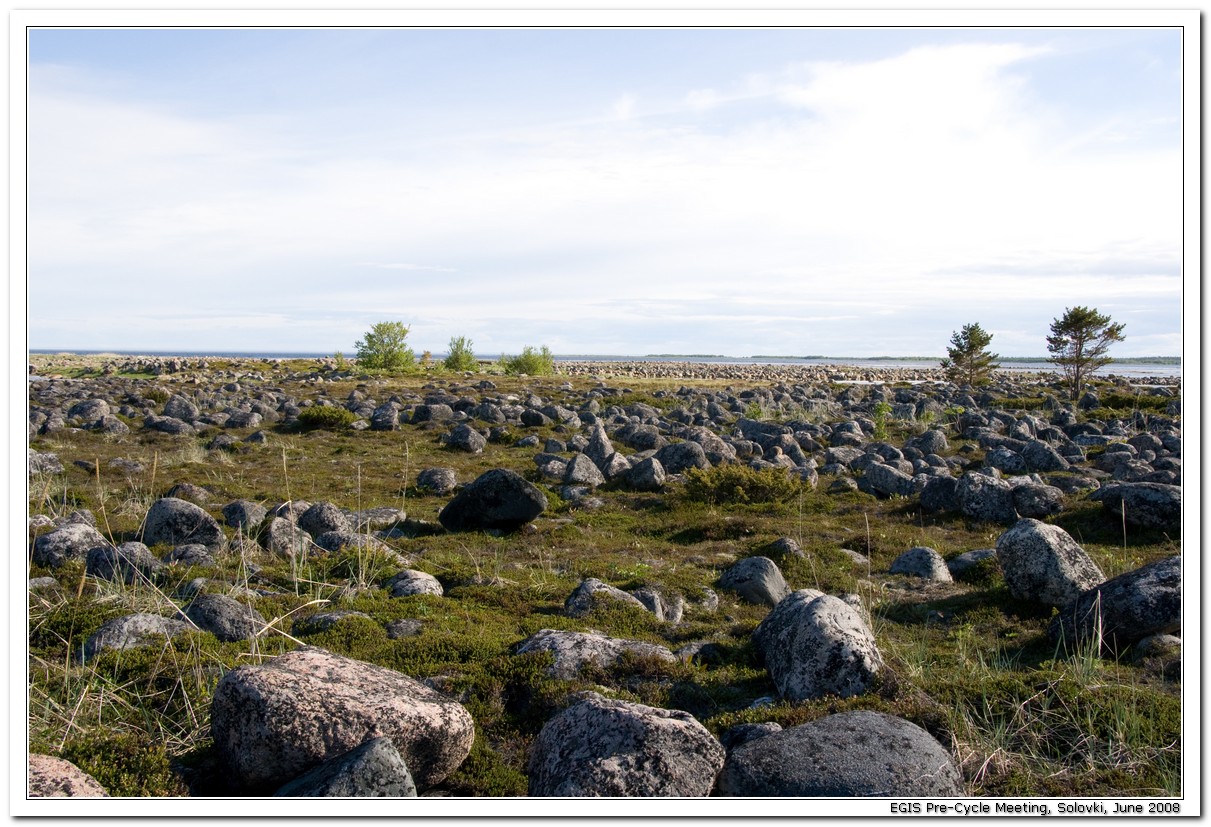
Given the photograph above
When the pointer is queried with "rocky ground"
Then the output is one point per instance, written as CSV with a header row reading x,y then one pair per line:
x,y
253,577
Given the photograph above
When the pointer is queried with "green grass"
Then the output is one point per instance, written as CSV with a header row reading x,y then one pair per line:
x,y
971,664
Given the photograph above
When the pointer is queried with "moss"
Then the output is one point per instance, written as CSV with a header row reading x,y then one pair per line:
x,y
125,764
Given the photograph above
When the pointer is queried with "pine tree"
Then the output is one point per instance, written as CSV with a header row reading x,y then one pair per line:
x,y
970,362
1078,343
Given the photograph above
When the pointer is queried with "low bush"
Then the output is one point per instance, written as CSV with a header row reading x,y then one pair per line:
x,y
325,416
731,484
530,362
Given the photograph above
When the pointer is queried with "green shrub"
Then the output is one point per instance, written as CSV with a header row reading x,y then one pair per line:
x,y
383,348
727,484
326,416
531,362
461,357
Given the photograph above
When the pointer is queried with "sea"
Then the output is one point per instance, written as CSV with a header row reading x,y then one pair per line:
x,y
1125,369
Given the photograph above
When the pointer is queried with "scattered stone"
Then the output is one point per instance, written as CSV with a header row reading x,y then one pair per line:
x,y
757,580
1123,610
922,562
498,499
224,617
373,770
131,631
574,650
1147,504
71,541
600,747
323,517
128,563
440,481
1042,563
411,581
174,521
582,600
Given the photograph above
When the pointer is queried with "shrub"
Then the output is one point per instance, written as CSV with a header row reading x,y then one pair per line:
x,y
531,362
460,358
724,484
383,348
326,416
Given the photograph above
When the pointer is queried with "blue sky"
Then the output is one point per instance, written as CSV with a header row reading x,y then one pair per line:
x,y
841,191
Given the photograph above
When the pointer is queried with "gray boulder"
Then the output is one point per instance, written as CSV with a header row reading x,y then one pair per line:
x,y
985,498
174,521
575,650
465,438
965,562
940,494
439,481
131,631
889,482
645,475
681,456
581,601
283,537
1124,610
582,471
71,541
44,463
497,499
373,770
757,580
244,515
128,563
224,617
850,754
816,645
1037,501
178,407
1042,563
323,517
1040,456
1147,504
411,581
599,747
922,562
273,722
932,441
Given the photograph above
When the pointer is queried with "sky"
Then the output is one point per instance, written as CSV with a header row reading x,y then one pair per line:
x,y
781,191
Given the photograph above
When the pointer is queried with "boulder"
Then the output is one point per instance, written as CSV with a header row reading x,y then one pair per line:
x,y
174,521
51,777
645,475
225,617
128,563
283,537
816,645
985,498
71,541
465,438
757,580
681,456
1037,501
440,481
582,471
373,770
273,722
575,650
1123,610
131,631
581,601
600,747
1042,563
1040,456
940,494
922,562
849,754
1147,504
411,581
497,499
889,482
244,515
323,517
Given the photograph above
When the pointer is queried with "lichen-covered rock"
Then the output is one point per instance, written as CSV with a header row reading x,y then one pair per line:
x,y
131,631
411,581
272,723
574,650
373,770
1042,563
465,438
889,482
922,562
244,515
816,645
757,580
985,498
497,499
1124,609
681,456
849,754
174,521
225,617
51,777
440,481
581,601
599,747
71,541
1147,504
1037,501
645,475
582,471
129,563
283,537
323,517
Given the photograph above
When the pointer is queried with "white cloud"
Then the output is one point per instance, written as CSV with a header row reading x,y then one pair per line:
x,y
624,107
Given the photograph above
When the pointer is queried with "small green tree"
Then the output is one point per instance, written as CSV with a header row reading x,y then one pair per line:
x,y
531,362
1078,343
460,358
383,348
970,362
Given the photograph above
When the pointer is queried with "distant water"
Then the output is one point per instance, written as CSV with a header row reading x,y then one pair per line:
x,y
1128,369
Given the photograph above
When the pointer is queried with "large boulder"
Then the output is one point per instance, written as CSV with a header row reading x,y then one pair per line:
x,y
1042,563
816,645
757,580
582,471
889,482
51,777
273,722
681,456
322,517
922,562
1038,501
175,522
225,617
1147,504
645,475
71,541
465,438
497,499
128,563
437,480
599,747
846,755
1124,610
244,515
575,650
373,770
591,590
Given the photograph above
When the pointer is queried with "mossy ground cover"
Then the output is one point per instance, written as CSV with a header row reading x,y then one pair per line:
x,y
967,661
